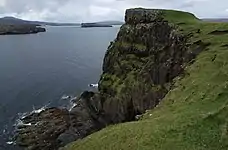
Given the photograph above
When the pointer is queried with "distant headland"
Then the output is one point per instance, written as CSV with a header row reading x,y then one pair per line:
x,y
17,21
20,29
101,24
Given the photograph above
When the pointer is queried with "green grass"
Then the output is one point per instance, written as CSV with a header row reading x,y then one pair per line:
x,y
179,16
192,116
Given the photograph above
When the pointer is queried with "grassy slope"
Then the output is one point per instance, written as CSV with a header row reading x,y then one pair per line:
x,y
193,116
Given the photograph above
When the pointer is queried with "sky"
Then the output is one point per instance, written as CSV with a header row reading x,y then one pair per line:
x,y
99,10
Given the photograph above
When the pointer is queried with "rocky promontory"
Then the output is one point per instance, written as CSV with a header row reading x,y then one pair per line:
x,y
6,29
139,69
53,128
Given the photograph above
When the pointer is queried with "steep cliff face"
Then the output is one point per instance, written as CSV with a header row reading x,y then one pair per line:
x,y
140,65
170,54
138,71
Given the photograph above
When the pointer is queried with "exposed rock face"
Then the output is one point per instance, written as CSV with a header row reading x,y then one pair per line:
x,y
138,71
136,16
148,53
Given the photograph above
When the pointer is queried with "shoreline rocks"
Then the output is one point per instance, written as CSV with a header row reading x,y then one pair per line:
x,y
54,127
42,129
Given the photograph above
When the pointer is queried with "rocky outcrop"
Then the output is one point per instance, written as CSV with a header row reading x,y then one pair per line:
x,y
20,29
138,71
42,129
55,127
139,67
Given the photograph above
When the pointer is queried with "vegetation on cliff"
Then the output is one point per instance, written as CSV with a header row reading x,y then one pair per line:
x,y
172,67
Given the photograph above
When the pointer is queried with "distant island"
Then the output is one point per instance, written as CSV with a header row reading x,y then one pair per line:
x,y
20,29
11,25
101,24
90,25
110,23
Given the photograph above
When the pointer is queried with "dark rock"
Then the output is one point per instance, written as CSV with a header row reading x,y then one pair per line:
x,y
198,31
140,15
67,137
219,32
214,57
43,130
56,127
225,45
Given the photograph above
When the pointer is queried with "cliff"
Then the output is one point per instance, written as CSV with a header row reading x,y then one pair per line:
x,y
173,67
166,71
140,65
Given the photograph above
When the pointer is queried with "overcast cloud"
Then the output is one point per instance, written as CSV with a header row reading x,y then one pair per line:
x,y
97,10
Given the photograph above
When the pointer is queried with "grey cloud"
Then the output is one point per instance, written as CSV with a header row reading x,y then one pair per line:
x,y
93,10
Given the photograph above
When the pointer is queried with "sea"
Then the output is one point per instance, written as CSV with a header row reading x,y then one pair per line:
x,y
43,69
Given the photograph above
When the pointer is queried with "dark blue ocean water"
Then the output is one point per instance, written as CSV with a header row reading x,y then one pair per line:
x,y
39,69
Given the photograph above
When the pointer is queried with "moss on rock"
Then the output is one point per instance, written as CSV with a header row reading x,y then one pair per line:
x,y
148,53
